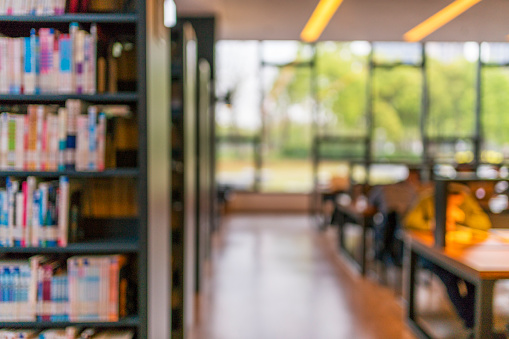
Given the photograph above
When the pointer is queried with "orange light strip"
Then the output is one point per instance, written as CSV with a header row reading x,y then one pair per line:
x,y
436,21
319,19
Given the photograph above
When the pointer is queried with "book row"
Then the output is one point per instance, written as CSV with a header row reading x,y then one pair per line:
x,y
34,214
32,7
86,288
49,62
43,140
67,333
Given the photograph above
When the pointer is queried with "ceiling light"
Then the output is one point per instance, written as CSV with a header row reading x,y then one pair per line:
x,y
319,19
433,23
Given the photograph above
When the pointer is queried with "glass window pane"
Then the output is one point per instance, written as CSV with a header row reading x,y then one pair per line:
x,y
451,78
397,114
285,52
238,88
342,71
397,52
495,103
287,132
235,165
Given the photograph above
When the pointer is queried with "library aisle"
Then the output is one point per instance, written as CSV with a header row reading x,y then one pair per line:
x,y
273,277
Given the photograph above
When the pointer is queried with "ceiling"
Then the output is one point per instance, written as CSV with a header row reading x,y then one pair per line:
x,y
372,20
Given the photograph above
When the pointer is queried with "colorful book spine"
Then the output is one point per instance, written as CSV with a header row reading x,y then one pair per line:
x,y
29,76
101,141
46,36
63,211
92,138
82,143
66,60
19,149
80,62
62,136
73,110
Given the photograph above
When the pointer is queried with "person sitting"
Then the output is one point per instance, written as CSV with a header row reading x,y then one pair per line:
x,y
462,209
392,202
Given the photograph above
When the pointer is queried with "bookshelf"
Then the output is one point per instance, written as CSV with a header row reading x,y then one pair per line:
x,y
147,225
184,175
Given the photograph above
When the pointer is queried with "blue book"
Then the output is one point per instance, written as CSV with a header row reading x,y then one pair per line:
x,y
66,59
34,59
92,138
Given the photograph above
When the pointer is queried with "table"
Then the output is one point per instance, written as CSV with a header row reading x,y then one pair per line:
x,y
362,218
480,262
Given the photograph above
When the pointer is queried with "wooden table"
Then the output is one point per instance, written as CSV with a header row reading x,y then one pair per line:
x,y
361,218
480,262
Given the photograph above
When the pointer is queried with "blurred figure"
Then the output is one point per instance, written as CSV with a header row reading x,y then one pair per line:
x,y
462,209
392,202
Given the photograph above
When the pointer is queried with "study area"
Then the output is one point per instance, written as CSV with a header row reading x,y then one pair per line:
x,y
221,169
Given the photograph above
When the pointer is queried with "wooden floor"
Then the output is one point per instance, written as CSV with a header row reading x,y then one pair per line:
x,y
273,277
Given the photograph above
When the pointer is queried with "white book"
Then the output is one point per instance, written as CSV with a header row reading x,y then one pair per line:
x,y
3,9
4,69
39,9
39,157
17,229
16,53
82,143
80,61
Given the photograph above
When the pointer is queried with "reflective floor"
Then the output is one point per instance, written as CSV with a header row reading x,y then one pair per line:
x,y
273,277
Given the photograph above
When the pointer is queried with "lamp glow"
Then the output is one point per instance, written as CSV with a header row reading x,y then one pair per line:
x,y
436,21
319,19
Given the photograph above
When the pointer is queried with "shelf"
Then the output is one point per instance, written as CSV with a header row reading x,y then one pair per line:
x,y
111,173
98,247
79,17
125,322
121,97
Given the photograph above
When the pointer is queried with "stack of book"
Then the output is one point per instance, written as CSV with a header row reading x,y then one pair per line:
x,y
86,288
49,62
68,333
44,141
34,214
32,7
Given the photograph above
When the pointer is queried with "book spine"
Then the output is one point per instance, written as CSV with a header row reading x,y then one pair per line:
x,y
4,69
101,141
31,236
43,188
16,54
63,212
32,137
46,36
82,140
20,143
73,32
92,89
62,136
4,140
53,142
11,141
39,156
3,218
17,236
73,110
29,77
92,138
56,64
66,60
36,220
80,61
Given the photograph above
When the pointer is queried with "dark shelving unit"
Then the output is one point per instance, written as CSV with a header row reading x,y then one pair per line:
x,y
183,120
127,322
78,17
111,173
116,98
124,236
